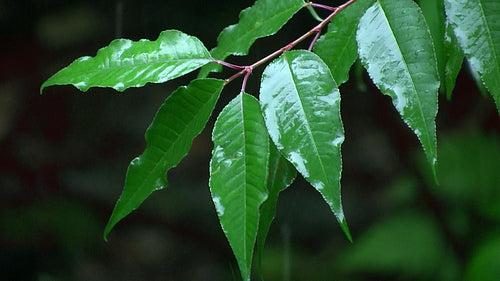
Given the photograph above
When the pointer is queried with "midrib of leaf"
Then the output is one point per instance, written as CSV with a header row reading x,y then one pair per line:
x,y
272,180
245,174
353,33
164,152
490,38
408,72
308,127
344,48
144,64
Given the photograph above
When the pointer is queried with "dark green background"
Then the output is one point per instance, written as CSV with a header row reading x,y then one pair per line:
x,y
63,158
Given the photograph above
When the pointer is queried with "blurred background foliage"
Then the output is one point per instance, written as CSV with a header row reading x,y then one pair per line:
x,y
63,158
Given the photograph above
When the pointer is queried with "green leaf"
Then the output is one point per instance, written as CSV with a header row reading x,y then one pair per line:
x,y
454,60
301,107
433,12
408,244
338,47
178,121
485,262
263,19
238,175
396,48
469,177
476,24
124,63
281,175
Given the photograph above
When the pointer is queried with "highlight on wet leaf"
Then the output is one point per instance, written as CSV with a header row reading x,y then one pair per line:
x,y
476,25
168,139
411,49
400,60
125,63
239,173
301,106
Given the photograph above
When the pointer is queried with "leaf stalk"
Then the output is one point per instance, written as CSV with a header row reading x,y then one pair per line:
x,y
247,70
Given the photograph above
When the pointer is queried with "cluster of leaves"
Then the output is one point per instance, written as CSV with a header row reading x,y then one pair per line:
x,y
411,51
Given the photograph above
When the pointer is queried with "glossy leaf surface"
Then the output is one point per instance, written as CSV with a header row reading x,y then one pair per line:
x,y
238,175
125,63
263,19
338,47
301,107
476,24
281,175
168,139
396,48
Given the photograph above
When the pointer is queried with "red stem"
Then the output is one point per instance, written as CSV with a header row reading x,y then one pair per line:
x,y
227,64
247,70
325,7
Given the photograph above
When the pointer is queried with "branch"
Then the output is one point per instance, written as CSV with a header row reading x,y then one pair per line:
x,y
247,70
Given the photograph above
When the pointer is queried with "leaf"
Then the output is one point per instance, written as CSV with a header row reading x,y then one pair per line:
x,y
395,47
408,244
469,177
124,63
338,47
476,24
433,12
301,107
454,60
281,175
263,19
178,121
485,261
238,175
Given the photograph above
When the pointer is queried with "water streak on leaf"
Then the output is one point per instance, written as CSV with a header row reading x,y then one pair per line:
x,y
301,107
476,24
238,175
396,48
124,63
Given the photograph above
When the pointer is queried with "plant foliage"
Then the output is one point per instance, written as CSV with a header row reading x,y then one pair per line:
x,y
409,50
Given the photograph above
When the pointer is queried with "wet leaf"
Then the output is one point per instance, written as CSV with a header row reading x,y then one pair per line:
x,y
263,19
124,63
168,139
238,175
338,47
396,48
301,107
476,24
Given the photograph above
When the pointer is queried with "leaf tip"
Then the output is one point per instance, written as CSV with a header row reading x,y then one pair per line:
x,y
345,228
434,164
43,86
107,230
